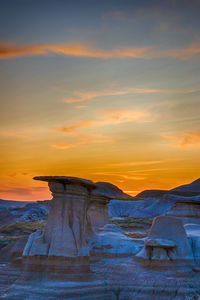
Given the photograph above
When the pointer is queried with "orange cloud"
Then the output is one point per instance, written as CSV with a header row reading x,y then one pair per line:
x,y
85,96
80,106
116,116
182,53
17,134
83,140
69,129
11,50
81,97
111,117
137,163
187,139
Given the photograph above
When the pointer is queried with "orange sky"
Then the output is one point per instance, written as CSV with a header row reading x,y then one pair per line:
x,y
107,92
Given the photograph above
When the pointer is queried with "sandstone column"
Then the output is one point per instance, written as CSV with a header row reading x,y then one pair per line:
x,y
98,210
68,230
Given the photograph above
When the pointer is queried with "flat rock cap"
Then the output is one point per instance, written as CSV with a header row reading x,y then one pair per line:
x,y
67,180
160,243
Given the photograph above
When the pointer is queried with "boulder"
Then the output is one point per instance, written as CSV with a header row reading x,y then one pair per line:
x,y
167,240
111,241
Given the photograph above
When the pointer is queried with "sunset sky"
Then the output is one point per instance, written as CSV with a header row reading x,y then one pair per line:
x,y
104,90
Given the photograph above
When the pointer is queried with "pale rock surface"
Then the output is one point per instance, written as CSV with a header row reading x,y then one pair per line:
x,y
111,240
193,232
67,231
167,230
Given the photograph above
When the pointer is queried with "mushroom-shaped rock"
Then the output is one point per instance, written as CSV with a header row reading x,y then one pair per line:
x,y
67,231
167,240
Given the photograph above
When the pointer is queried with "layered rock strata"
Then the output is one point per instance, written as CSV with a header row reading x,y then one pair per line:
x,y
68,230
186,209
98,209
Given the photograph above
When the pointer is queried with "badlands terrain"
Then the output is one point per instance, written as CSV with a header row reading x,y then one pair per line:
x,y
92,241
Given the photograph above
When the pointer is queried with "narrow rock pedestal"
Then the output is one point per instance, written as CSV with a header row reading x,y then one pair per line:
x,y
68,230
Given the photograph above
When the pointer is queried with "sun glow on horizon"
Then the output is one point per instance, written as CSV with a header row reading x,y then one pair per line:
x,y
109,92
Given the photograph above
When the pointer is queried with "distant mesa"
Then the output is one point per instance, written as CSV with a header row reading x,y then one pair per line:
x,y
110,190
12,203
191,187
152,193
187,190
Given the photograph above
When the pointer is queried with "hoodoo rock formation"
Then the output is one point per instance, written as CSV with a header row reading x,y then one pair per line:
x,y
68,230
83,254
167,240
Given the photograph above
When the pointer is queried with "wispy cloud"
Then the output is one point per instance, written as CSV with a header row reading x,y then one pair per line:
x,y
136,163
186,139
111,117
15,134
80,49
14,174
81,106
85,96
121,175
78,125
83,140
182,53
10,50
131,14
117,116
